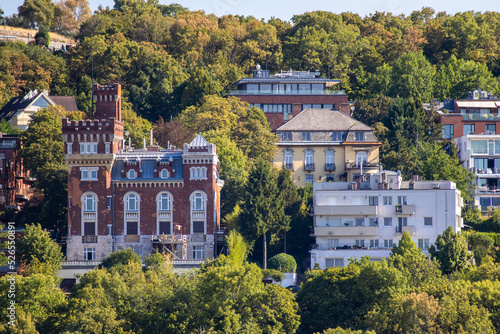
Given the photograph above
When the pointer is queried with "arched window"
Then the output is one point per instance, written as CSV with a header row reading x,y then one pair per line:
x,y
361,156
329,157
288,154
198,202
89,203
131,174
164,202
309,158
131,203
164,174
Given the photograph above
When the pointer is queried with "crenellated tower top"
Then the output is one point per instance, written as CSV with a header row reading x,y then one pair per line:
x,y
108,101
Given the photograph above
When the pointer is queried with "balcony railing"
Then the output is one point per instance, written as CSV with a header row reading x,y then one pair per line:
x,y
89,216
165,215
131,215
173,238
271,92
343,246
487,171
488,190
403,229
480,117
329,166
89,239
309,166
345,230
198,215
353,165
289,165
405,209
346,210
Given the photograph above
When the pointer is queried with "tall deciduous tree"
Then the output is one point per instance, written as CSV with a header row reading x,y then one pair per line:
x,y
412,76
263,209
35,246
37,12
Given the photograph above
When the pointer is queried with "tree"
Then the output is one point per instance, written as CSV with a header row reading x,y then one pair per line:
x,y
121,257
35,246
233,169
412,76
283,262
407,258
200,84
414,313
42,155
451,250
480,244
137,127
37,12
349,293
73,14
173,133
263,210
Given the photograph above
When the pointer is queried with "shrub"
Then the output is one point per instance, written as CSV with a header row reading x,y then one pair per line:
x,y
283,262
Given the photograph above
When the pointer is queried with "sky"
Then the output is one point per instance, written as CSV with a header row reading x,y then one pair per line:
x,y
286,9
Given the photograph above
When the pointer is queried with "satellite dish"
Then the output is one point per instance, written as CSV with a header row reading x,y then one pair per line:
x,y
257,67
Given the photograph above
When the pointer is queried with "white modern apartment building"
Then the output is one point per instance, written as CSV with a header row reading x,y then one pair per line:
x,y
366,218
480,153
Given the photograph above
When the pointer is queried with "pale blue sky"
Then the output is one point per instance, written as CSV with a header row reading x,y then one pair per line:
x,y
286,9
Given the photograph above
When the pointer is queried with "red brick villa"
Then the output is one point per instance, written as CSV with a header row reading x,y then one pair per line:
x,y
143,199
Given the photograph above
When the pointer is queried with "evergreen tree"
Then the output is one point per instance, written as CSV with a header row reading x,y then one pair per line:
x,y
263,209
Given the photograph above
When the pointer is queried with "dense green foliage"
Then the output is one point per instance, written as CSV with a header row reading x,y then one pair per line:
x,y
283,262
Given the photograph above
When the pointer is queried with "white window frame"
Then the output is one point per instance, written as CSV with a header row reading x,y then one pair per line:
x,y
69,148
387,200
92,198
107,148
388,243
164,174
160,202
131,174
89,173
128,201
361,156
88,148
423,243
199,252
198,173
329,157
89,251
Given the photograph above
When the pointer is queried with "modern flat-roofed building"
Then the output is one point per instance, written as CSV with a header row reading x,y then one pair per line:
x,y
368,217
284,95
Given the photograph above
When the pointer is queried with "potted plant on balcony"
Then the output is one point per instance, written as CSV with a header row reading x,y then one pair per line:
x,y
399,208
346,223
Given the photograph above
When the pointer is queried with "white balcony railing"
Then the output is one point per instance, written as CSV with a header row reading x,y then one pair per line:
x,y
165,215
198,215
132,215
89,216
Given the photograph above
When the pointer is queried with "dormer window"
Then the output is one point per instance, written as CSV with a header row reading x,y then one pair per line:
x,y
306,136
360,136
131,174
164,174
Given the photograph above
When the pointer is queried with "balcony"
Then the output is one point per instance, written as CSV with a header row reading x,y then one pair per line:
x,y
344,246
271,92
132,215
289,166
309,166
354,165
132,238
165,215
330,167
89,216
345,231
403,229
89,239
198,215
405,209
485,172
346,210
172,238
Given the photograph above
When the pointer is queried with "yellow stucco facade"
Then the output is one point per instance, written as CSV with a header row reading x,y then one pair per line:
x,y
321,170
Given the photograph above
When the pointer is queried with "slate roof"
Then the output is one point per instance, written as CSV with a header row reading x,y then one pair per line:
x,y
67,102
15,104
148,165
323,120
